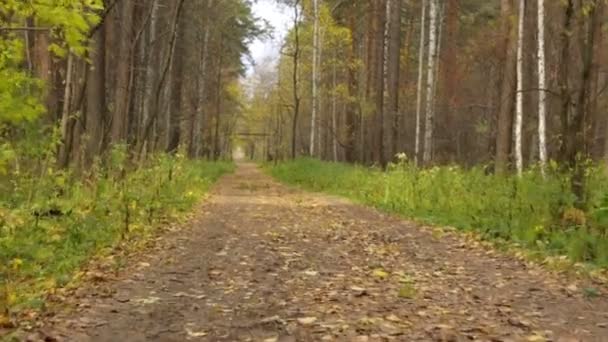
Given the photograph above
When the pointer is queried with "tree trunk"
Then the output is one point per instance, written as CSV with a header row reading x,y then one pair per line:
x,y
64,148
315,76
421,69
393,72
123,72
96,96
577,133
379,79
202,78
218,104
430,87
542,94
505,113
151,68
450,78
353,91
296,62
519,95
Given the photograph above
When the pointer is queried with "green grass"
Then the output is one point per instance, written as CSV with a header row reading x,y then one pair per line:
x,y
531,212
52,223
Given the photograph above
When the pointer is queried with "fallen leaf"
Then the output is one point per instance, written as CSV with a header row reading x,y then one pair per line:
x,y
149,300
407,291
380,273
359,291
307,320
192,333
393,318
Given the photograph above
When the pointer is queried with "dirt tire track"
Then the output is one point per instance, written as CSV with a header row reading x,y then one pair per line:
x,y
264,262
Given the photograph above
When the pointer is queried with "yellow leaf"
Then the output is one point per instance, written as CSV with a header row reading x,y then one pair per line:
x,y
380,273
16,263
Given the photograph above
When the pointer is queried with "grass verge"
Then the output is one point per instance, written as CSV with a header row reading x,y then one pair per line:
x,y
531,212
53,223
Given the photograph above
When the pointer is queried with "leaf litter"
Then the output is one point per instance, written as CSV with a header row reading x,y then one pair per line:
x,y
274,263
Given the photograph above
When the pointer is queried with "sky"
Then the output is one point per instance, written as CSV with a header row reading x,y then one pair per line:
x,y
279,18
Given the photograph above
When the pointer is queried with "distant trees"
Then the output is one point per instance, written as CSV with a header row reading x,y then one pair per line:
x,y
477,87
152,75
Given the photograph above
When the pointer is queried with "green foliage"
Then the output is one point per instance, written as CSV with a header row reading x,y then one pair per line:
x,y
69,23
530,211
51,221
19,93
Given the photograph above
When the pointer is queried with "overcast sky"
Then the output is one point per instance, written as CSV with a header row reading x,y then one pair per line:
x,y
279,17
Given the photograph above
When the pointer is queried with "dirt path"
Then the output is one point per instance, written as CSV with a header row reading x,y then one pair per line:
x,y
263,262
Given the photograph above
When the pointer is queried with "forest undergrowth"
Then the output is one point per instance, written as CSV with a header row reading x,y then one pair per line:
x,y
53,220
533,212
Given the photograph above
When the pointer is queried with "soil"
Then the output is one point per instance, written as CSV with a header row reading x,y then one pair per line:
x,y
265,262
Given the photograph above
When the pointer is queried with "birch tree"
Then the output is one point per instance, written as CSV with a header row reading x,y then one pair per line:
x,y
430,86
542,95
420,78
519,96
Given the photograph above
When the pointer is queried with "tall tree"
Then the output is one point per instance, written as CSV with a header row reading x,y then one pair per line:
x,y
430,85
393,72
421,71
315,76
519,94
505,110
123,71
542,85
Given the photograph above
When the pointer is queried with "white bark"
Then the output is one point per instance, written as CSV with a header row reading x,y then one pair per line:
x,y
430,111
420,78
315,48
65,112
520,96
440,20
67,99
542,95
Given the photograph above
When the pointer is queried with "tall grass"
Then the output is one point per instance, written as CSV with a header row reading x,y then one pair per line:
x,y
52,221
535,212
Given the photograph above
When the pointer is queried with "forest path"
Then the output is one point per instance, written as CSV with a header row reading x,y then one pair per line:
x,y
265,262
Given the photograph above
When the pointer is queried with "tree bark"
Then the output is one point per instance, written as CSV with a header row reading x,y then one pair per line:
x,y
421,69
123,72
519,95
296,63
542,94
96,96
393,72
315,76
430,87
505,113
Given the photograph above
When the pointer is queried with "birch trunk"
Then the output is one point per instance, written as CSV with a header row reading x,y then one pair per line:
x,y
542,95
520,96
420,79
430,111
65,113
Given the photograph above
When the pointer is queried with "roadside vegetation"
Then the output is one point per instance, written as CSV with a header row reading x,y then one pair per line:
x,y
52,221
533,212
